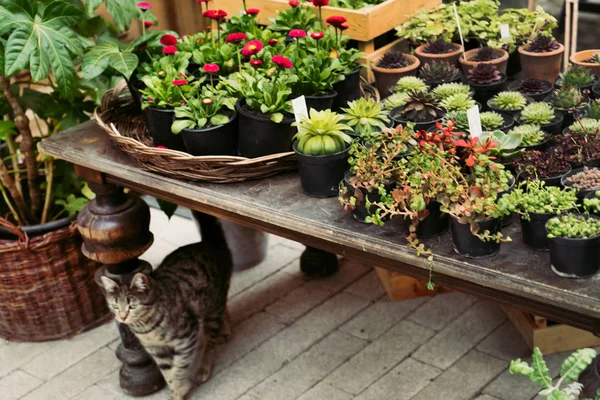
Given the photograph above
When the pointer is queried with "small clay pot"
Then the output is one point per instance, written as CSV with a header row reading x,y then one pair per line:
x,y
428,58
579,57
544,66
384,77
466,63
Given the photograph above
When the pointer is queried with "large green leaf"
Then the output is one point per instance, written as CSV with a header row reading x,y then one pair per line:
x,y
122,12
26,7
39,64
61,63
576,363
19,46
60,13
125,63
91,6
10,20
95,61
1,56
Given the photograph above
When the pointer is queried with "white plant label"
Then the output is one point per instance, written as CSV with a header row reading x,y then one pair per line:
x,y
462,40
474,121
505,31
299,106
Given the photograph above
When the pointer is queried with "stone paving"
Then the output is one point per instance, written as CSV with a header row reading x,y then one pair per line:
x,y
338,338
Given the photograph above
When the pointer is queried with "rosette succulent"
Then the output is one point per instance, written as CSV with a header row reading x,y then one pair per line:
x,y
484,74
461,122
532,134
508,101
567,97
446,90
408,83
439,46
394,100
322,133
458,102
491,120
394,60
543,44
593,110
576,76
585,125
421,107
485,54
440,71
537,113
365,116
533,86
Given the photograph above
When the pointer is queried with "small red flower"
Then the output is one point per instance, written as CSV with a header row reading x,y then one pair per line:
x,y
297,33
211,68
256,63
150,98
336,20
294,3
251,48
272,42
148,24
252,11
317,35
215,14
161,147
320,3
169,50
168,40
144,6
344,26
282,62
179,82
236,37
207,101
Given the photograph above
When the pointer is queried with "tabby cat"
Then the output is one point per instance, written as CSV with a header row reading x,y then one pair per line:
x,y
179,313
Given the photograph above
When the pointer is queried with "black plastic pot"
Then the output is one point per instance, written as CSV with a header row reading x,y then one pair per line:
x,y
535,96
513,66
37,230
259,136
581,193
485,92
534,230
596,90
348,90
434,225
134,84
320,102
553,128
575,258
433,84
193,68
361,212
395,116
512,113
555,180
159,122
320,176
470,246
214,141
509,122
540,146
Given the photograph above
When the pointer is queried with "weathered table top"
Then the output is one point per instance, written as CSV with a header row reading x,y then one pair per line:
x,y
516,276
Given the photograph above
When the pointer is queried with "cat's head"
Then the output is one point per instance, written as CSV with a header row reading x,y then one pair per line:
x,y
131,303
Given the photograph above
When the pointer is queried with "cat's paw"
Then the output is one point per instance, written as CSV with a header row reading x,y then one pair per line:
x,y
225,333
204,373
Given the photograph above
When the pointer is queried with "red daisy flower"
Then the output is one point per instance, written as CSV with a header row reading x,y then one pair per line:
x,y
320,3
148,24
336,20
214,14
256,63
207,101
169,50
294,3
251,48
168,40
252,11
297,33
161,147
211,68
317,35
343,26
236,37
179,82
272,42
282,62
144,6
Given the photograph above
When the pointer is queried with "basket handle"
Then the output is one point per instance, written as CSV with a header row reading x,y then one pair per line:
x,y
17,231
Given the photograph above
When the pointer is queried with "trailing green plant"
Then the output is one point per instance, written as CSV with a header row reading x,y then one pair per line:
x,y
567,97
484,74
421,107
394,60
535,197
168,91
322,133
542,44
570,370
485,54
365,116
491,120
533,86
585,125
593,110
537,113
576,76
508,101
410,83
394,100
446,90
573,226
210,108
458,102
440,71
438,46
530,134
587,179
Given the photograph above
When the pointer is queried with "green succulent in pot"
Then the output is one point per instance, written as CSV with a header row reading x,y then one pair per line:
x,y
322,133
567,97
573,226
420,107
461,122
395,100
207,110
585,125
458,102
491,120
537,113
593,110
509,100
535,197
531,134
505,144
409,83
365,116
576,76
446,90
440,71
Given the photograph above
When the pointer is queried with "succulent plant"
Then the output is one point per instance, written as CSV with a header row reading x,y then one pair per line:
x,y
535,197
365,116
491,120
595,59
322,133
546,164
532,134
543,44
458,102
394,100
585,125
578,148
439,71
587,179
537,113
446,90
393,60
576,76
439,46
485,54
533,86
508,101
408,83
593,110
573,226
461,122
484,74
421,107
567,97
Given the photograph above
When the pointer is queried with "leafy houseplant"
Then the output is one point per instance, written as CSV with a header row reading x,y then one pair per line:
x,y
535,88
322,149
541,58
365,116
486,80
391,67
543,115
509,103
576,76
438,72
316,77
422,108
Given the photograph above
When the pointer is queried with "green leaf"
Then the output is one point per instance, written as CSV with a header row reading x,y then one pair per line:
x,y
9,20
39,64
1,57
277,117
72,204
219,119
125,63
576,363
19,46
96,60
91,6
7,128
122,11
87,192
168,208
181,124
60,13
540,373
61,63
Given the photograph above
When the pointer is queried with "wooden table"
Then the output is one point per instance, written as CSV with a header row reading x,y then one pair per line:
x,y
517,276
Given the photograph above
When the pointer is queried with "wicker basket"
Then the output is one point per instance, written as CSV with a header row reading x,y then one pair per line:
x,y
127,128
47,288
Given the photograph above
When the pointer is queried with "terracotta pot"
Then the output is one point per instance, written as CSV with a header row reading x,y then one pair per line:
x,y
544,66
578,58
499,62
428,58
384,77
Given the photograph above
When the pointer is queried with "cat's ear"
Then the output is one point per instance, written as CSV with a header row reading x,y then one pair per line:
x,y
109,284
140,283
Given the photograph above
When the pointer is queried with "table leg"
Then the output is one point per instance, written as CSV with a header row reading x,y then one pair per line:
x,y
318,263
115,230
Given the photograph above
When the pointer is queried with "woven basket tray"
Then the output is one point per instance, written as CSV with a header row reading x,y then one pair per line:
x,y
118,116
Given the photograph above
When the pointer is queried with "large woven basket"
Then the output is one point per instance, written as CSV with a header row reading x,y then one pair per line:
x,y
47,288
118,116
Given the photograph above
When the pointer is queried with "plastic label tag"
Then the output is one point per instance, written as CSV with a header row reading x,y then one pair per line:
x,y
505,31
462,40
474,121
299,106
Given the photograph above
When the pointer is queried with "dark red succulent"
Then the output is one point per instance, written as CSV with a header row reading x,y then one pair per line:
x,y
485,54
393,60
543,44
544,164
484,74
439,46
533,86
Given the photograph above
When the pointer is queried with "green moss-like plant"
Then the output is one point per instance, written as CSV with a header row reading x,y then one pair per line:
x,y
458,102
508,101
537,113
491,120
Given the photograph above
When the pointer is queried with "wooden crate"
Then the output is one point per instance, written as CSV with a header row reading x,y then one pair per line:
x,y
402,287
549,337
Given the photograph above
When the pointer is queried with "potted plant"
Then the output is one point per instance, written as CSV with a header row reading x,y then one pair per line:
x,y
407,84
543,115
576,76
535,88
574,242
207,124
365,116
491,121
541,58
508,103
394,100
446,90
584,180
485,55
459,102
593,110
322,149
391,67
421,108
532,137
587,59
579,148
549,166
583,126
486,80
437,51
537,203
569,101
438,72
500,147
316,77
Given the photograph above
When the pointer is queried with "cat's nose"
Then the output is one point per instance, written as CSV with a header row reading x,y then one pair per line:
x,y
123,316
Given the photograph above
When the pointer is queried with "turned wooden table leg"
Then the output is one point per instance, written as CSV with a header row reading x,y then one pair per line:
x,y
115,230
318,263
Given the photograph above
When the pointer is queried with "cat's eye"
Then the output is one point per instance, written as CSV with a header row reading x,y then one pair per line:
x,y
116,306
132,307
